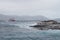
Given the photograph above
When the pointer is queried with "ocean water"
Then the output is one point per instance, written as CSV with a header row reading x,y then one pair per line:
x,y
22,31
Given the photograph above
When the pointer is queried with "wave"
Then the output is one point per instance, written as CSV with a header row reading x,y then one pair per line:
x,y
10,31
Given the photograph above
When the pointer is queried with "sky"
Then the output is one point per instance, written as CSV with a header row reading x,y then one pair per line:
x,y
47,8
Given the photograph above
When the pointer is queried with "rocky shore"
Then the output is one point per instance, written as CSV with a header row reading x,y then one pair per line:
x,y
46,25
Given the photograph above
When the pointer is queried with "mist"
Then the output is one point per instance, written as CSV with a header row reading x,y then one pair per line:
x,y
47,8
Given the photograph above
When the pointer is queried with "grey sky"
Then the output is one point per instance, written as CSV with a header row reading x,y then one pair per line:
x,y
48,8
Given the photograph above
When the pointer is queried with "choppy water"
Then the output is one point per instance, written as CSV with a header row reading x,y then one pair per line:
x,y
22,31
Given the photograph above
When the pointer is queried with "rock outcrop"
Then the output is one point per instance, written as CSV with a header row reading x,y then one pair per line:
x,y
46,25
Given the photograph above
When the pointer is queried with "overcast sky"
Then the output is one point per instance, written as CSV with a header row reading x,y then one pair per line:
x,y
48,8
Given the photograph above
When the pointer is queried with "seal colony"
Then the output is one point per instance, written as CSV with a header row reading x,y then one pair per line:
x,y
46,25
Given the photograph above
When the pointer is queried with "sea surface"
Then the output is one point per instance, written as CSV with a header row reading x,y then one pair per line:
x,y
22,31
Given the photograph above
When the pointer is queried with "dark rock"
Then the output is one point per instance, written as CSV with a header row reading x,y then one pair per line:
x,y
46,25
38,26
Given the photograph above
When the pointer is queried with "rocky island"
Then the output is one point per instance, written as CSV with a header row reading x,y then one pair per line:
x,y
46,25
